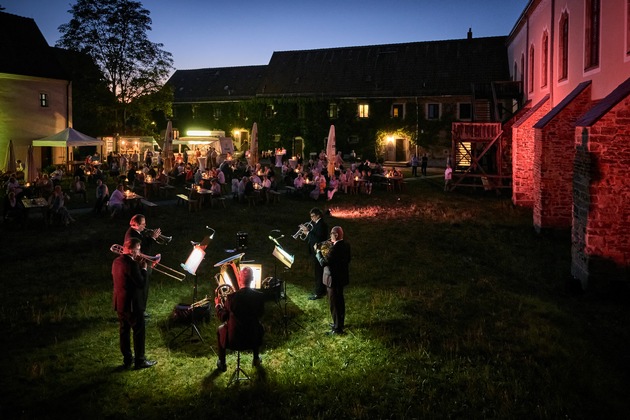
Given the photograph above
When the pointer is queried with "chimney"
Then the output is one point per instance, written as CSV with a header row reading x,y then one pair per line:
x,y
469,33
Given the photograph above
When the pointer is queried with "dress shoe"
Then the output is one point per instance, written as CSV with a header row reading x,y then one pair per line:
x,y
147,315
257,361
332,325
315,297
335,332
127,364
145,364
222,366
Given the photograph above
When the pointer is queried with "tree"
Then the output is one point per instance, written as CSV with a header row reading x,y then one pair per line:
x,y
114,34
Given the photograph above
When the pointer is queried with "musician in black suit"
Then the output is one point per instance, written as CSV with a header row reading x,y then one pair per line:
x,y
318,233
137,226
240,313
129,277
338,263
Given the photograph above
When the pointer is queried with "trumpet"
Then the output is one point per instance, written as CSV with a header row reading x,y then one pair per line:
x,y
303,230
155,263
161,239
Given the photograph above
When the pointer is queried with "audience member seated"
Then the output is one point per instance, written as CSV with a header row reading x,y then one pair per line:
x,y
57,205
240,315
44,186
14,185
78,187
333,186
102,196
12,207
57,176
215,188
116,202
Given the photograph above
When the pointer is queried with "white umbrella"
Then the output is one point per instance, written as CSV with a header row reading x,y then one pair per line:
x,y
31,170
253,146
331,151
11,164
168,146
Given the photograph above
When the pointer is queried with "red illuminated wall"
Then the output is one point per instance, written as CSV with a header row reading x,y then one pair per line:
x,y
523,154
553,164
601,222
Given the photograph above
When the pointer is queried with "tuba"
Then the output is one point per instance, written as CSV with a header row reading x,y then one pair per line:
x,y
303,231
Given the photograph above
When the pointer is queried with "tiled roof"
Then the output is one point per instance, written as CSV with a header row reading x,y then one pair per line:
x,y
393,70
602,107
226,83
24,49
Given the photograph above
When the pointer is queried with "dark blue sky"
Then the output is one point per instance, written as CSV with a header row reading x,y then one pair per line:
x,y
209,33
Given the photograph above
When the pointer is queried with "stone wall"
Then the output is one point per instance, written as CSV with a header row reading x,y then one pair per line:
x,y
523,155
601,187
553,165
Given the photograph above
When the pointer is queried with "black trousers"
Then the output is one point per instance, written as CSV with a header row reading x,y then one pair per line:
x,y
337,303
127,322
319,288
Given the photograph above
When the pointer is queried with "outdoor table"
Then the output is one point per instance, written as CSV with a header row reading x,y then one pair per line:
x,y
132,200
152,187
36,203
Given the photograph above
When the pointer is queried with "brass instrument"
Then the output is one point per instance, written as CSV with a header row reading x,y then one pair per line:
x,y
324,249
223,291
303,231
203,302
155,263
161,239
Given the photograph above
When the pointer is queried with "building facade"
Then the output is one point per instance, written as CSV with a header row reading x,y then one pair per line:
x,y
572,55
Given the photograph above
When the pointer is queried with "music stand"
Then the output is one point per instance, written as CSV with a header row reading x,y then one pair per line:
x,y
286,259
192,263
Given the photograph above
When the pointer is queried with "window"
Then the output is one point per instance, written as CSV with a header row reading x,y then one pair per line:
x,y
270,111
531,69
433,111
564,46
591,35
301,111
216,112
544,58
398,111
333,111
514,77
464,111
364,111
43,100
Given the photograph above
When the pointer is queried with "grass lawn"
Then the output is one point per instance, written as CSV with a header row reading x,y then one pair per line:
x,y
456,309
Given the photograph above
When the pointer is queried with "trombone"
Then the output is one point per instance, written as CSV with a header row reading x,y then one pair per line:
x,y
303,231
155,263
161,239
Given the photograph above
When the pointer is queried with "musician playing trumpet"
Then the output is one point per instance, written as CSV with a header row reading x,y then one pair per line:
x,y
318,233
137,226
240,313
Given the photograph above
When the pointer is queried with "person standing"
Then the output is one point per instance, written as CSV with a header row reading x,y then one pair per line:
x,y
423,164
129,277
102,196
415,162
336,278
448,175
240,313
318,233
137,226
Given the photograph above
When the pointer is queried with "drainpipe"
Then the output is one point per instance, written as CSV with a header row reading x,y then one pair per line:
x,y
551,54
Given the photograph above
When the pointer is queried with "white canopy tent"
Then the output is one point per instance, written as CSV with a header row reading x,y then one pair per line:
x,y
68,138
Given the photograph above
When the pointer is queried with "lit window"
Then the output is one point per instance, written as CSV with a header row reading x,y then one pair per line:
x,y
364,111
333,111
433,111
465,111
398,111
564,46
591,35
43,100
545,52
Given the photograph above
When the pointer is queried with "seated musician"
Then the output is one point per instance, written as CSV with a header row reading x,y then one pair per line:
x,y
240,314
